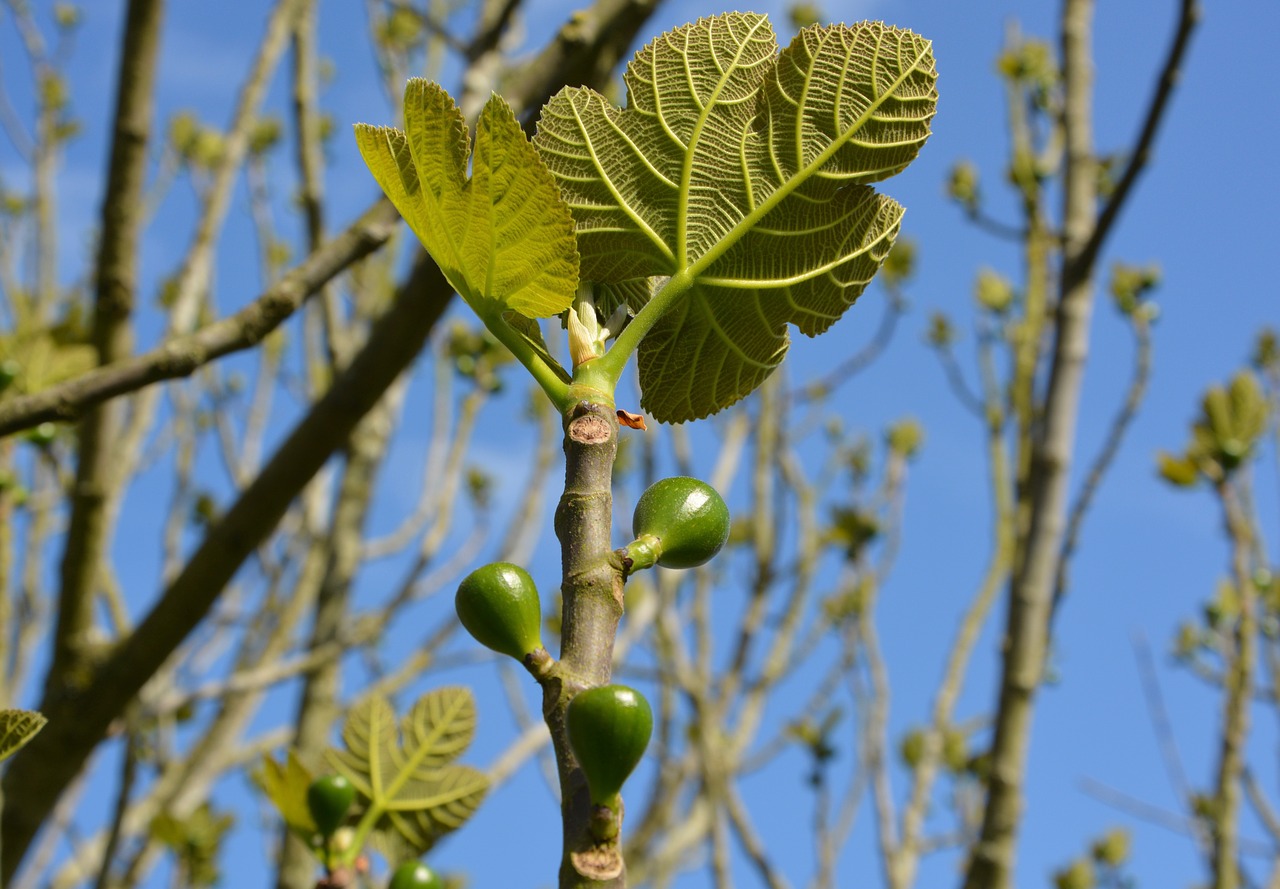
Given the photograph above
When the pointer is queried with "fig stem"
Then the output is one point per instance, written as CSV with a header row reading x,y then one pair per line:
x,y
591,591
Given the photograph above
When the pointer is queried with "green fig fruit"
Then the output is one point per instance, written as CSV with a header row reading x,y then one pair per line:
x,y
609,728
329,799
683,520
414,875
498,604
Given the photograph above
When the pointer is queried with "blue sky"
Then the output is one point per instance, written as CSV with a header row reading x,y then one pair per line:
x,y
1204,212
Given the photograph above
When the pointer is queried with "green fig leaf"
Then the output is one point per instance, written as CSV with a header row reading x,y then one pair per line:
x,y
285,784
744,172
503,237
17,727
408,775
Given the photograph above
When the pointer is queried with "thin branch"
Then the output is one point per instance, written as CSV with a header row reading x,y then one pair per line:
x,y
183,355
959,386
197,265
1105,457
740,821
1240,668
860,360
1161,817
1188,17
1160,723
84,719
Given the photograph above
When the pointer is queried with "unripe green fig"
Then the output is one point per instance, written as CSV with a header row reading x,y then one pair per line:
x,y
414,875
684,521
609,728
498,604
329,799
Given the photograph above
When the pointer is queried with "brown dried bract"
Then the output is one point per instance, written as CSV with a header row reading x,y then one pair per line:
x,y
632,421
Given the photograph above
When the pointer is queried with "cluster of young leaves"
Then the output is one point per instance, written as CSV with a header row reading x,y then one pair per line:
x,y
411,792
1233,420
729,199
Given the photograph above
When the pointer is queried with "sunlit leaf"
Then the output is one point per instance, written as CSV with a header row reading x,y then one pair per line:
x,y
503,237
747,170
285,784
407,772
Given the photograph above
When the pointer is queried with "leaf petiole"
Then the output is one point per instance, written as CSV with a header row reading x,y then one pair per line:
x,y
552,383
610,367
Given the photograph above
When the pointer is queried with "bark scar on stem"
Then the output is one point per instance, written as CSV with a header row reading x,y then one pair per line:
x,y
589,429
600,861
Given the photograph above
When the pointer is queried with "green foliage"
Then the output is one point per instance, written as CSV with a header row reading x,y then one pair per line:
x,y
286,784
1266,352
414,793
1077,875
1101,866
1112,849
36,357
609,728
905,438
502,237
195,842
853,527
196,144
963,186
741,174
911,748
1232,421
993,291
1130,284
17,727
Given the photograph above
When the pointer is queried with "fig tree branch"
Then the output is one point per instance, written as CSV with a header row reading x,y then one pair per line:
x,y
183,355
1170,72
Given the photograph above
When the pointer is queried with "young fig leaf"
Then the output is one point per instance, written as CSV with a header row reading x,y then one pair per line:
x,y
609,728
503,237
498,604
682,520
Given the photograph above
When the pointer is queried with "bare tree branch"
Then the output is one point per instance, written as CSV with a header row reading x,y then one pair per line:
x,y
183,355
1188,17
84,719
97,471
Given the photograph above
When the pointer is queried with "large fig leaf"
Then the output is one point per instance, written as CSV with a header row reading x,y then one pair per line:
x,y
744,170
503,237
408,776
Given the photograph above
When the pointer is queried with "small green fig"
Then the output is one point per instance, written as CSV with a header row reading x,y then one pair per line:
x,y
498,604
329,798
683,520
609,728
414,875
